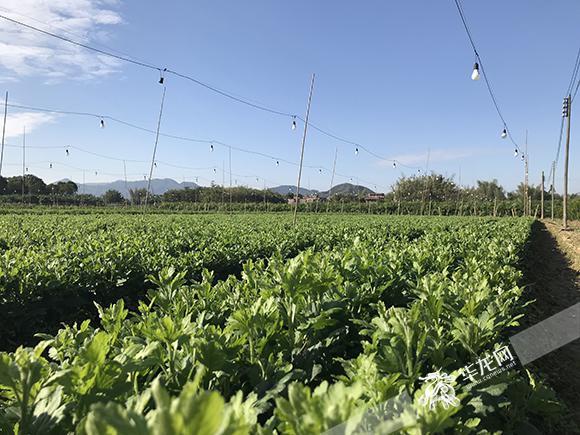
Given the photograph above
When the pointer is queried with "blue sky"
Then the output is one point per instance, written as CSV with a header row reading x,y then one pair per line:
x,y
393,76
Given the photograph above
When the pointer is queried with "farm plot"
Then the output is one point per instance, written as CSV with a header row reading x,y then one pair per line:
x,y
298,342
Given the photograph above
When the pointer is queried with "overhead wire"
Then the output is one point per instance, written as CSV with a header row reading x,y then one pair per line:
x,y
132,60
483,72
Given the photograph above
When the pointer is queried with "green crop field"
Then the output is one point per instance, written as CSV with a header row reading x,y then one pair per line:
x,y
235,324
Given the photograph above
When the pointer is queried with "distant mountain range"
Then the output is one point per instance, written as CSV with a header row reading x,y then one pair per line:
x,y
162,185
344,189
158,186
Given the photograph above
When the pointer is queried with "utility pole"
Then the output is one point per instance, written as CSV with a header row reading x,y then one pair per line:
x,y
568,109
23,161
230,165
526,211
154,149
553,187
542,198
302,149
124,174
3,132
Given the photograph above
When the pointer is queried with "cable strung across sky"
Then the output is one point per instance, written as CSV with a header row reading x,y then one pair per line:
x,y
162,71
475,76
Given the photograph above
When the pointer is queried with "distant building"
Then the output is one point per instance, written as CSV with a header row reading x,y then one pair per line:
x,y
375,197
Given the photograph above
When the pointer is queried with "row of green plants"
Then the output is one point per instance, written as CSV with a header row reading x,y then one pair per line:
x,y
465,207
52,268
296,345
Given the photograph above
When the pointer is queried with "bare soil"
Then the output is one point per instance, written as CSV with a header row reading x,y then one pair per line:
x,y
552,275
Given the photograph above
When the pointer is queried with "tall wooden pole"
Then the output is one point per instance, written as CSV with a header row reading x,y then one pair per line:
x,y
3,132
542,198
230,170
296,198
526,210
553,187
566,157
23,161
154,149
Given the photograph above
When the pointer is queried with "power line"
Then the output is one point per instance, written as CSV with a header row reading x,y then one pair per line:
x,y
131,59
148,66
206,141
483,72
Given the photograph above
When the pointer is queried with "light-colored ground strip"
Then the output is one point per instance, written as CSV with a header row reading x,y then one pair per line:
x,y
383,418
548,335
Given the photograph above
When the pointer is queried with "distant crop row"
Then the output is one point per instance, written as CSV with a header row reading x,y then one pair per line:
x,y
298,345
53,266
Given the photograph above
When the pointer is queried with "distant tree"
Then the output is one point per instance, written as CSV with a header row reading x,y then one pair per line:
x,y
137,196
434,187
3,185
64,188
113,196
490,190
534,191
32,184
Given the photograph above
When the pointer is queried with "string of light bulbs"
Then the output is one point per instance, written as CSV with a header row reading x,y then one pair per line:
x,y
163,71
479,71
211,142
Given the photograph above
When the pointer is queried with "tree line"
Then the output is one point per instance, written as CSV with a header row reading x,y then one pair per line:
x,y
420,188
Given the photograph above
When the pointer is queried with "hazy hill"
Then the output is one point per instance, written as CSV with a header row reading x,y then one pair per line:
x,y
158,186
286,188
344,189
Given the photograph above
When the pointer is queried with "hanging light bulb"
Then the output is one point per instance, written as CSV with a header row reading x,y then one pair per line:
x,y
50,166
214,171
95,172
277,163
475,73
320,170
196,179
515,152
155,164
356,151
27,169
523,158
211,148
66,151
102,123
394,164
161,78
504,133
293,123
144,176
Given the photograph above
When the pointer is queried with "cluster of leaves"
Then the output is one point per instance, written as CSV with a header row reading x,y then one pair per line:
x,y
294,346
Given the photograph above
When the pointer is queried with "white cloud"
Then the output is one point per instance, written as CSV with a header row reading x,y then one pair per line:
x,y
419,159
16,122
25,52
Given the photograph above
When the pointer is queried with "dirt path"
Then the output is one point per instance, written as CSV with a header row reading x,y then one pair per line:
x,y
552,272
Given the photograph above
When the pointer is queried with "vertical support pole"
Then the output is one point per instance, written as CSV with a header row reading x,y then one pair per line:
x,y
526,209
3,132
566,158
23,161
230,166
154,149
542,198
332,178
296,197
552,188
